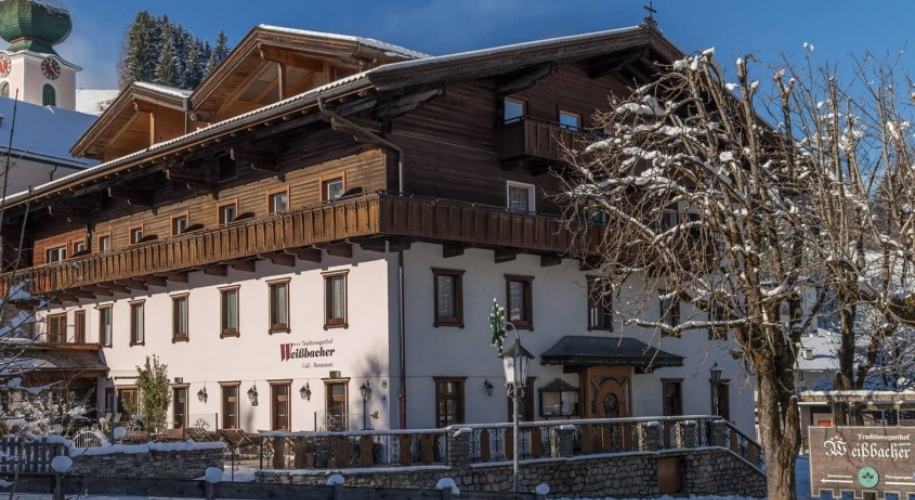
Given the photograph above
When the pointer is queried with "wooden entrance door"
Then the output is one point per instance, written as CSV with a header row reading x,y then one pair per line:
x,y
611,400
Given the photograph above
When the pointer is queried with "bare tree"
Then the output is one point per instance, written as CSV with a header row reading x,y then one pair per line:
x,y
753,227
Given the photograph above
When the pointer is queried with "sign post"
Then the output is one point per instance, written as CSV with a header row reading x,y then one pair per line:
x,y
862,460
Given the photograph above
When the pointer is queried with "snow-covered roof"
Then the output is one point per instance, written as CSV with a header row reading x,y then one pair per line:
x,y
164,89
44,133
395,50
824,345
94,101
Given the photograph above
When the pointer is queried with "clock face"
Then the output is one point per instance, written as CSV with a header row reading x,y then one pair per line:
x,y
51,68
5,65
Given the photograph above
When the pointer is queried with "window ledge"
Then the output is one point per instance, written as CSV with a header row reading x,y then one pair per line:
x,y
600,328
180,338
231,332
452,324
143,343
284,329
328,326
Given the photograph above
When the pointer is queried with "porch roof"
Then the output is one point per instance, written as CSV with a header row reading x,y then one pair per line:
x,y
581,350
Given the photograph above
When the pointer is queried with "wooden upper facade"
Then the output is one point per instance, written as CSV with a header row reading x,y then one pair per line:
x,y
302,142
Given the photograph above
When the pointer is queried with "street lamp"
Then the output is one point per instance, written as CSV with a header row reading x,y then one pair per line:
x,y
516,361
366,391
715,378
252,394
305,392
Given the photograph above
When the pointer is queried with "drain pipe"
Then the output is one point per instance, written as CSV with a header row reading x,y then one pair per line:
x,y
400,254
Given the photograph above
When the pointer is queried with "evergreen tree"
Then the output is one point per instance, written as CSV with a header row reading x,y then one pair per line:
x,y
137,56
193,70
220,52
167,67
152,380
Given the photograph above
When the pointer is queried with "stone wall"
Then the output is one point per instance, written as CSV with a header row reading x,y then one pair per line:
x,y
716,470
148,461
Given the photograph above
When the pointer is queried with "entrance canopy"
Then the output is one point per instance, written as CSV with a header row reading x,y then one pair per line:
x,y
582,350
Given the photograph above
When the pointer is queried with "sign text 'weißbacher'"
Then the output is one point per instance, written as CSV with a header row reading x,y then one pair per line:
x,y
862,460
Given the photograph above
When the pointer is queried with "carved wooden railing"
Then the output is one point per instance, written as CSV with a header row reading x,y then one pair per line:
x,y
532,138
350,219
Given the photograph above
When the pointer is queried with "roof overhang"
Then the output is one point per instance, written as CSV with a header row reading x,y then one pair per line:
x,y
582,351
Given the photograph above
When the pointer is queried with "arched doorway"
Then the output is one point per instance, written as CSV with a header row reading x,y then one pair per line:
x,y
611,400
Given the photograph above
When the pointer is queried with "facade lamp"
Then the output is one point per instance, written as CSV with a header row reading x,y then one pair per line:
x,y
305,392
516,360
489,387
202,395
715,378
252,394
366,391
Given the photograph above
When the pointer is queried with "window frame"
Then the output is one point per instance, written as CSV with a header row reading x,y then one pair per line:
x,y
274,404
119,391
48,95
103,237
186,335
271,307
109,312
724,395
457,276
527,321
221,206
563,112
57,250
176,402
670,314
186,215
224,403
531,196
224,331
137,305
329,320
79,326
516,119
271,194
324,180
56,328
679,383
328,395
132,229
461,414
76,244
605,312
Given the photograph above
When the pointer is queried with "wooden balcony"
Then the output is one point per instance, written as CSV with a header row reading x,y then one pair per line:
x,y
537,143
358,220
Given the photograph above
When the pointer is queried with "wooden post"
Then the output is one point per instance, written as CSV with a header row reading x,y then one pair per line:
x,y
338,492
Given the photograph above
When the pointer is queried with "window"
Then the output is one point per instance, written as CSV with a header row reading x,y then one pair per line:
x,y
137,323
520,196
57,254
569,121
79,247
228,168
230,406
5,89
559,399
512,110
229,312
279,406
669,308
335,405
332,188
673,397
449,401
335,300
519,301
104,325
279,307
48,95
179,318
104,243
449,301
228,212
600,305
136,234
128,400
57,328
278,201
526,403
668,219
79,327
179,224
179,413
723,405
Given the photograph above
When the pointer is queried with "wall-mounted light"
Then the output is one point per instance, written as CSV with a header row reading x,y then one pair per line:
x,y
202,395
489,387
252,394
305,392
365,390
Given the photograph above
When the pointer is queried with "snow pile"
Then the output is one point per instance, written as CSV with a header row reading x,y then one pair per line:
x,y
135,449
446,483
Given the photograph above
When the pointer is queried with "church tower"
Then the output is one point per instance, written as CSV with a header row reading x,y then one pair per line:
x,y
29,67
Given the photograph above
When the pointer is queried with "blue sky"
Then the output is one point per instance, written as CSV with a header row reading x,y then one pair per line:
x,y
734,27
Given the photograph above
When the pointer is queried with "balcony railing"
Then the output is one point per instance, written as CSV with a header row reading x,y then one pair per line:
x,y
529,138
376,214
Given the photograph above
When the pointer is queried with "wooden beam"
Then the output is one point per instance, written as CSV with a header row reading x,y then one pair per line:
x,y
389,244
279,258
133,196
118,288
409,101
179,277
450,250
155,280
83,294
307,254
281,78
132,284
505,255
611,63
290,59
67,297
259,160
75,215
340,250
246,266
99,291
550,260
524,78
216,270
198,178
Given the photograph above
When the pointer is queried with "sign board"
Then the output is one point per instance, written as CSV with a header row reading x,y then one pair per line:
x,y
862,460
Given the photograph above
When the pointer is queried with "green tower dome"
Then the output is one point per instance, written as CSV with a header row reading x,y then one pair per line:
x,y
34,25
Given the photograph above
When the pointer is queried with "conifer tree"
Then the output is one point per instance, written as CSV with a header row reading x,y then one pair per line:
x,y
220,52
167,65
138,55
193,70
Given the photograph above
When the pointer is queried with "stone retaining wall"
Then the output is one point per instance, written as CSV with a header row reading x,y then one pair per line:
x,y
151,463
713,470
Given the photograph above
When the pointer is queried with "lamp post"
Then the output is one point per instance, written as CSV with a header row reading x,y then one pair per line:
x,y
715,378
516,361
366,391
